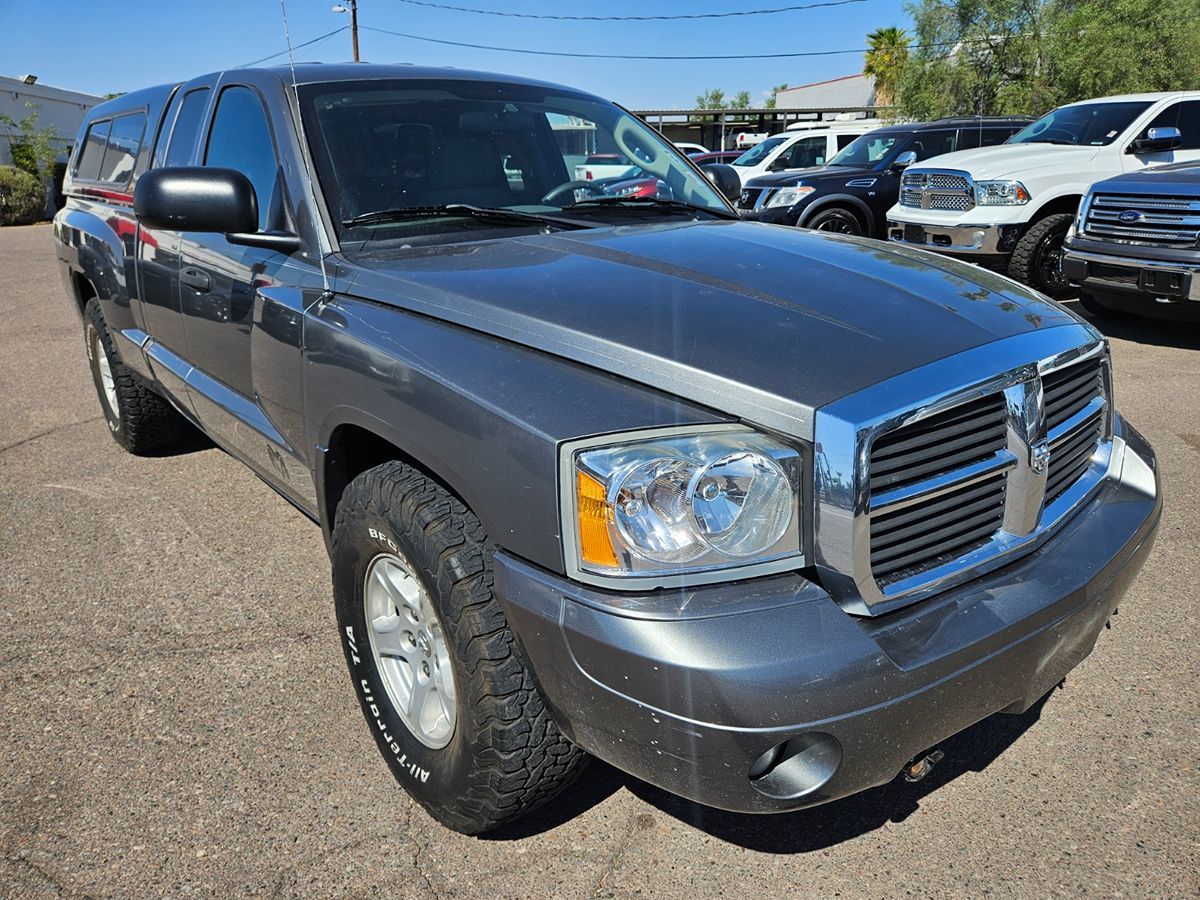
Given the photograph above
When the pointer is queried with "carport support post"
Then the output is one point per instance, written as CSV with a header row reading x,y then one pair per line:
x,y
723,131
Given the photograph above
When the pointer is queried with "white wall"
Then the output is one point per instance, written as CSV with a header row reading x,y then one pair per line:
x,y
59,109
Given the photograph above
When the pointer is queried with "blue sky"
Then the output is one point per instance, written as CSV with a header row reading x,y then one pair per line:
x,y
99,46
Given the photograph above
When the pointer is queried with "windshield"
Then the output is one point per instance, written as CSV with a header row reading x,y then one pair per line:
x,y
1085,124
866,150
758,152
405,145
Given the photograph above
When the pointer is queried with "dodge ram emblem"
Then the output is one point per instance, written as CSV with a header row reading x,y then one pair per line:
x,y
1131,215
1039,457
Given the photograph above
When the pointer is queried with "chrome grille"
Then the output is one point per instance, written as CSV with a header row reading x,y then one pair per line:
x,y
949,486
1170,221
937,189
907,537
1073,399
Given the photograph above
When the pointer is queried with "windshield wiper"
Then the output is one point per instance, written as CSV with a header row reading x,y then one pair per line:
x,y
499,215
648,203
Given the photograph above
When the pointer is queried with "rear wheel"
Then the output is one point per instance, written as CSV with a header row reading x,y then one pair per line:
x,y
140,420
439,676
837,220
1037,259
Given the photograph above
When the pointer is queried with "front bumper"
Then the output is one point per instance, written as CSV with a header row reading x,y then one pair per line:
x,y
1135,276
688,689
991,242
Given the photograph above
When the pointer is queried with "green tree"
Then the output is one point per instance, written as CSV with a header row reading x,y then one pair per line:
x,y
36,149
741,100
770,104
713,99
886,57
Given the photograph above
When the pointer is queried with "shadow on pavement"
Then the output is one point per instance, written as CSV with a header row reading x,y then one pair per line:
x,y
804,831
1180,334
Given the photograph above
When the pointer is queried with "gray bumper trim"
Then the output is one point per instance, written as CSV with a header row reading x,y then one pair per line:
x,y
967,239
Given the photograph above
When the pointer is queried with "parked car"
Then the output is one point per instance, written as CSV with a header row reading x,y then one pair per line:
x,y
587,486
689,149
1009,207
716,156
599,166
852,193
1135,245
800,149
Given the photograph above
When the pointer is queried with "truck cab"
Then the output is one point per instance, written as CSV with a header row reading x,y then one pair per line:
x,y
799,148
1009,207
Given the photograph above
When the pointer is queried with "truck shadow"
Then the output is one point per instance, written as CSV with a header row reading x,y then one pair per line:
x,y
804,831
1179,334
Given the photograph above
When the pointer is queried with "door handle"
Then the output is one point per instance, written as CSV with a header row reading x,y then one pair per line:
x,y
196,278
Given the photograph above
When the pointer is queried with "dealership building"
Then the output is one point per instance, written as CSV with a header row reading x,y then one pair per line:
x,y
57,109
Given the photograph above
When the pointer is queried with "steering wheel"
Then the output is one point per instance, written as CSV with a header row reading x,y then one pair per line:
x,y
568,186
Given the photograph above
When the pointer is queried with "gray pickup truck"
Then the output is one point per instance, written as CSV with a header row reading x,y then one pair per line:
x,y
760,516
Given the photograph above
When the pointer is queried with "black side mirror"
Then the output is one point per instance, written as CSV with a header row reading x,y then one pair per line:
x,y
778,164
1157,140
728,181
200,198
903,161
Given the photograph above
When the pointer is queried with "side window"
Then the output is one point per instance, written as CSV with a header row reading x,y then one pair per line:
x,y
92,153
806,152
933,143
241,139
844,140
124,141
186,128
1186,117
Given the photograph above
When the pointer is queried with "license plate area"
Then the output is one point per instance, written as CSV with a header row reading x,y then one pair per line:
x,y
914,234
1164,282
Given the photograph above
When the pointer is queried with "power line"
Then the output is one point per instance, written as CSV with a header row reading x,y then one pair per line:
x,y
701,57
674,18
286,50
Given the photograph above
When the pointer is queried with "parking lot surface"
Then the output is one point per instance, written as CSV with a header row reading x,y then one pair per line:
x,y
177,718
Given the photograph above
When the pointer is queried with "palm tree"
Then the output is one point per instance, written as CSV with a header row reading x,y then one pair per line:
x,y
887,54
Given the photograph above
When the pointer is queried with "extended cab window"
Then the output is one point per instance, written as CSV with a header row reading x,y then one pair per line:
x,y
1186,117
186,128
124,142
92,153
241,139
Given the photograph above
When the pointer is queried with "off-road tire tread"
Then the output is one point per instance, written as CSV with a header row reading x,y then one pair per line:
x,y
1020,265
521,759
149,423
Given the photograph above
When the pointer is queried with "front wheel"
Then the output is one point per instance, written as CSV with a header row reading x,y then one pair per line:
x,y
1037,259
438,673
837,220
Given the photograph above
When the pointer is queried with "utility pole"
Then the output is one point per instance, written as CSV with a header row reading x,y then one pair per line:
x,y
353,10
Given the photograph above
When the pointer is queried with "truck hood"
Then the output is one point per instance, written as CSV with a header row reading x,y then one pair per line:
x,y
1013,160
1177,178
760,322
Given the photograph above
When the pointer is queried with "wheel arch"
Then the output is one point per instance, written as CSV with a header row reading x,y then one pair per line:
x,y
846,201
356,442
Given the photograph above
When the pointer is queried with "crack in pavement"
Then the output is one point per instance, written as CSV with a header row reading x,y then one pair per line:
x,y
47,433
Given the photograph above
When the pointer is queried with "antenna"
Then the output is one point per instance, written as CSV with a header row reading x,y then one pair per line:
x,y
310,177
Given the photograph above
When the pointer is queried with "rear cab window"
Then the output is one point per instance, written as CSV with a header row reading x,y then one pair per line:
x,y
111,148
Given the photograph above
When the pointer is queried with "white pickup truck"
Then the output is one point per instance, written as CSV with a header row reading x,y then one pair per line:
x,y
1010,206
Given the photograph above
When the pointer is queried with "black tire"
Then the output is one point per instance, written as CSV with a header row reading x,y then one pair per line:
x,y
1037,259
837,220
505,755
142,421
1100,311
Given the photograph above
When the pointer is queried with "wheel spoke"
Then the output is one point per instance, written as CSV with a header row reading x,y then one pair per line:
x,y
418,699
391,637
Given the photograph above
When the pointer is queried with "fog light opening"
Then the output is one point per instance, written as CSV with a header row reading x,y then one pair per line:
x,y
796,767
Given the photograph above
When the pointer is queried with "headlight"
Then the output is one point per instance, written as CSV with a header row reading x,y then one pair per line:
x,y
789,196
700,502
1001,193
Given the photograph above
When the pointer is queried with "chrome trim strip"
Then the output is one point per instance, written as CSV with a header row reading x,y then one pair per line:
x,y
899,498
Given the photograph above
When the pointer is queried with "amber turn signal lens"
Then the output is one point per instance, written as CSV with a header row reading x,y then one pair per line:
x,y
595,546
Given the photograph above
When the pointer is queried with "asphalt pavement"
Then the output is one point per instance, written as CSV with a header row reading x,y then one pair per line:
x,y
176,718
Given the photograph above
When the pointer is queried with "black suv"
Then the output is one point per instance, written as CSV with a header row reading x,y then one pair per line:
x,y
852,193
